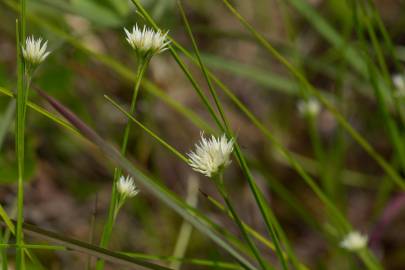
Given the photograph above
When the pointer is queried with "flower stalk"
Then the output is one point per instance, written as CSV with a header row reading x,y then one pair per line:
x,y
219,182
114,202
210,158
146,43
29,56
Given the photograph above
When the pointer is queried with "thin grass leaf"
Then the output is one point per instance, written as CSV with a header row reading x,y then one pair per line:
x,y
191,261
44,112
34,246
76,245
20,135
147,130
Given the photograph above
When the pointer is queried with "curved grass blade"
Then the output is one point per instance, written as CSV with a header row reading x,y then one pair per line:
x,y
76,245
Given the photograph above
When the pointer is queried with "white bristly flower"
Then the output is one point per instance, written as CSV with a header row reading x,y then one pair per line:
x,y
309,107
211,155
126,187
35,52
147,41
399,83
354,241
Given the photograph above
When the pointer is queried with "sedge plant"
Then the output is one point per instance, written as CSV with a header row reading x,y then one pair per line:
x,y
146,43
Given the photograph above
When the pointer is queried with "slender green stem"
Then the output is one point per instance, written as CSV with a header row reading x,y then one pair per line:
x,y
22,88
3,251
113,208
392,128
219,181
147,130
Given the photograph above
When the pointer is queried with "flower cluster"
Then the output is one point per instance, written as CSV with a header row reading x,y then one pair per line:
x,y
147,42
354,241
309,107
211,155
399,84
34,51
126,187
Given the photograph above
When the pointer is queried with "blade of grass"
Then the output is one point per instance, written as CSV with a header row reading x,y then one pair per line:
x,y
35,246
197,262
20,135
44,112
147,130
380,92
76,245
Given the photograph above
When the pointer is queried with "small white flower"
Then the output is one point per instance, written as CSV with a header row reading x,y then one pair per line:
x,y
126,187
399,83
211,155
354,241
309,107
147,40
35,52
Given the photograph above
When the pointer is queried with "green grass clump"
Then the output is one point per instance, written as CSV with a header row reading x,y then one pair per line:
x,y
298,105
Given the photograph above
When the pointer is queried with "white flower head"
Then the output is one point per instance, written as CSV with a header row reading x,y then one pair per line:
x,y
211,155
309,107
147,41
399,84
354,241
35,52
126,187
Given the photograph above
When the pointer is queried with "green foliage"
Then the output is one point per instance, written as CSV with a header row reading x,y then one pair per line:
x,y
314,177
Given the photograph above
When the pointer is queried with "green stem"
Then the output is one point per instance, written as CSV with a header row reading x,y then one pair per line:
x,y
113,208
22,88
219,181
